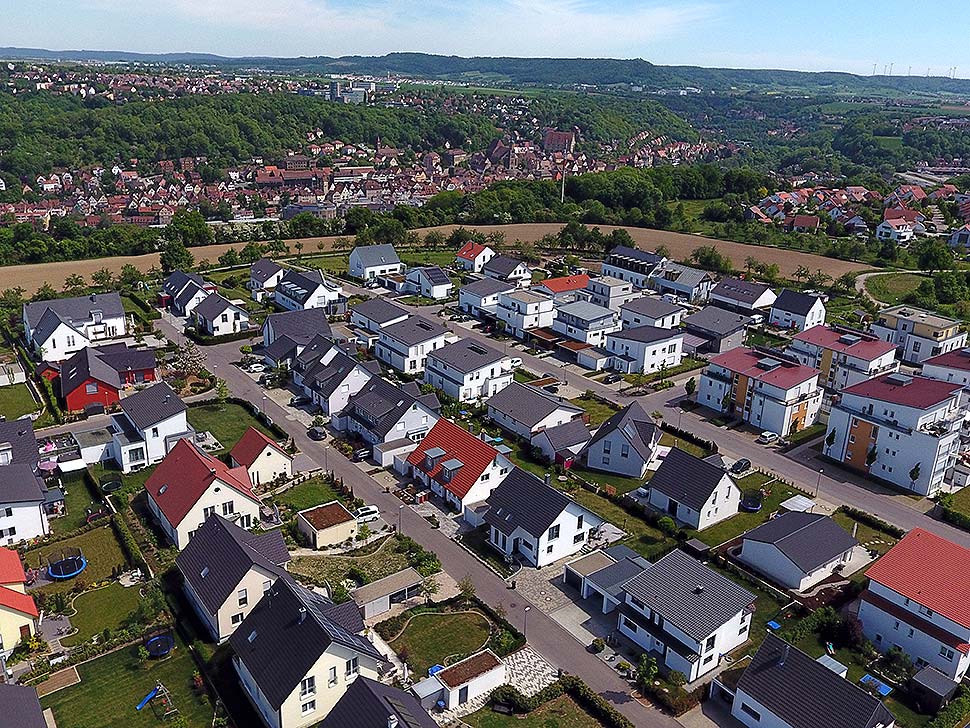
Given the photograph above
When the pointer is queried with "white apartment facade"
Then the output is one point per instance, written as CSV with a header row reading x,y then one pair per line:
x,y
521,311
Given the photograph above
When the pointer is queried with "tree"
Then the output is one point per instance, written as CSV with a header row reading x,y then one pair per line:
x,y
819,278
251,253
801,273
638,380
102,278
663,251
829,440
189,228
677,678
75,284
646,672
751,263
176,256
690,386
188,359
130,276
914,475
466,588
430,588
934,255
299,247
222,392
230,258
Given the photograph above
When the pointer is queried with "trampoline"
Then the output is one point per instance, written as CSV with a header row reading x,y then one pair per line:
x,y
160,645
110,485
751,500
68,566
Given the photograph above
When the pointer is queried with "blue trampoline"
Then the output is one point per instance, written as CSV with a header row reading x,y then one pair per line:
x,y
160,645
71,563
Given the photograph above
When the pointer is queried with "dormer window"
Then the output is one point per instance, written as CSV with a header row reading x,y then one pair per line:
x,y
432,456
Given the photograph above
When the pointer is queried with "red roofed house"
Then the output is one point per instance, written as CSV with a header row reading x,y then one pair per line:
x,y
566,284
190,485
917,601
844,356
898,230
457,466
901,429
18,613
775,394
263,458
953,366
805,223
473,256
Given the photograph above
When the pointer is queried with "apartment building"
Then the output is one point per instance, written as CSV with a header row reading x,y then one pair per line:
x,y
954,366
611,292
630,264
521,311
651,311
918,334
586,322
843,356
468,370
480,298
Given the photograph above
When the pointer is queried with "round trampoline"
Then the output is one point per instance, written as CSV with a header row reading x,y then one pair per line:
x,y
67,567
110,485
751,500
160,645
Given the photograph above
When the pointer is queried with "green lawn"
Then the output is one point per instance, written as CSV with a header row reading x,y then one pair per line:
x,y
598,411
669,440
892,288
102,608
562,712
864,534
622,483
100,547
755,337
226,422
16,401
311,493
113,685
78,500
382,562
736,525
524,376
333,264
429,639
643,538
442,258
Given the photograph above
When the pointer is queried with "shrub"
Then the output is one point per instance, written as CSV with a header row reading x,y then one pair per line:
x,y
598,645
873,522
667,525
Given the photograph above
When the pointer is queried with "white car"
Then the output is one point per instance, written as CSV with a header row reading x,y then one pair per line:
x,y
767,438
256,368
366,514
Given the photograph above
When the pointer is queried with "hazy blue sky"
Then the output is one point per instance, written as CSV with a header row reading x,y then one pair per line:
x,y
847,35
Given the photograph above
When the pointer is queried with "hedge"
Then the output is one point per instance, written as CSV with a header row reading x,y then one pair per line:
x,y
956,711
570,685
129,545
873,522
673,698
955,518
206,340
708,445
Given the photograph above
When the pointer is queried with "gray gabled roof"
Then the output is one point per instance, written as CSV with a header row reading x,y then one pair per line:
x,y
212,306
103,363
324,379
220,554
19,434
684,275
651,306
191,290
152,405
717,321
19,484
177,280
794,302
20,707
502,265
76,311
467,355
574,432
523,501
379,406
301,326
804,693
370,704
378,310
415,330
435,275
285,634
48,324
613,578
375,255
585,311
686,478
636,425
809,540
299,285
689,595
488,287
734,289
527,405
646,334
264,269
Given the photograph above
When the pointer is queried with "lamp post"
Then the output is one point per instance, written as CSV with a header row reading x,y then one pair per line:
x,y
326,458
525,623
400,514
262,405
818,483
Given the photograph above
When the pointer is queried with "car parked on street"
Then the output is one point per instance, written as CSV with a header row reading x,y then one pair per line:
x,y
613,378
361,454
767,438
317,433
366,514
298,400
256,368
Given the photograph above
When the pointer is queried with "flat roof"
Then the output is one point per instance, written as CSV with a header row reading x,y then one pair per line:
x,y
392,584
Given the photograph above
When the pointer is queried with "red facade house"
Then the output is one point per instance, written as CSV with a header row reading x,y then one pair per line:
x,y
96,376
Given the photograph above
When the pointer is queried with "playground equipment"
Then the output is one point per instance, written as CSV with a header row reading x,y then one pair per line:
x,y
160,644
159,696
70,564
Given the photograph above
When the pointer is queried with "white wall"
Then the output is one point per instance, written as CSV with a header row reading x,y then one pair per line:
x,y
28,520
215,496
270,464
622,457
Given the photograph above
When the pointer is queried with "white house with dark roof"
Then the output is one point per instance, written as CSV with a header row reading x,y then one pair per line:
x,y
149,425
610,292
504,268
586,322
693,491
531,521
23,498
645,349
624,444
330,376
796,310
743,296
191,296
374,314
382,413
630,264
299,290
264,276
651,311
406,345
468,370
61,327
369,702
429,281
797,550
714,330
689,284
481,298
526,411
562,443
372,261
286,334
218,316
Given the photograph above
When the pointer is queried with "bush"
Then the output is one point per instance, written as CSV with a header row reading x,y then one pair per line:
x,y
128,544
667,525
873,522
570,685
597,645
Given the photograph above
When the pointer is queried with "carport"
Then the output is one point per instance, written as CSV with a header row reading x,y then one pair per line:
x,y
575,572
378,597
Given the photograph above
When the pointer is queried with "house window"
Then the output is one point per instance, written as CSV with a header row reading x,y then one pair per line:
x,y
308,687
227,508
579,537
579,522
351,667
236,619
243,597
549,549
154,432
710,643
748,710
208,511
308,707
624,450
332,677
946,653
925,610
629,624
91,388
708,659
606,447
554,532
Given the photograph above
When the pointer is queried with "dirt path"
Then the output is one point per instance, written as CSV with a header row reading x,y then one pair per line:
x,y
31,277
860,282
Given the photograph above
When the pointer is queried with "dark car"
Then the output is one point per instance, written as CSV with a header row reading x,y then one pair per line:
x,y
613,379
741,466
317,433
361,454
298,400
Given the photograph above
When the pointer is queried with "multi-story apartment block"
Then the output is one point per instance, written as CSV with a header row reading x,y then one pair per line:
x,y
954,366
630,264
918,334
521,311
611,292
651,311
586,322
405,346
480,298
468,370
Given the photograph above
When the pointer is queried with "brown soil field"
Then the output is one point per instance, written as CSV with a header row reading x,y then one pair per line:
x,y
31,277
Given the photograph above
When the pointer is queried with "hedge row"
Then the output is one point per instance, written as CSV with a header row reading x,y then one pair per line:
x,y
673,698
953,713
873,522
955,518
151,313
570,685
708,445
129,545
206,340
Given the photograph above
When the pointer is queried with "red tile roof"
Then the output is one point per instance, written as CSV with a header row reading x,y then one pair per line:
x,y
920,392
744,361
956,359
866,349
251,446
11,569
470,250
185,474
566,283
929,570
458,444
19,602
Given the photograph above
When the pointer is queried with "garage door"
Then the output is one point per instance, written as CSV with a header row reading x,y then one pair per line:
x,y
573,579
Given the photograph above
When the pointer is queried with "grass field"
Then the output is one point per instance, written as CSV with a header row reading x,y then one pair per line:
x,y
736,525
431,638
226,422
305,495
892,288
113,685
643,538
563,712
100,609
100,547
865,535
16,401
77,502
598,411
383,562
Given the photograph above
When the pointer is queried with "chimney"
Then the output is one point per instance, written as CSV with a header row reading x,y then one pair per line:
x,y
548,478
392,721
699,589
302,614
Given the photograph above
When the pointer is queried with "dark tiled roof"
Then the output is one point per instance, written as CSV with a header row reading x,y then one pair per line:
x,y
177,280
647,334
300,285
524,501
652,306
152,405
435,275
467,355
794,302
264,269
611,579
47,325
809,540
735,289
20,707
369,704
641,256
191,290
23,443
527,405
415,330
212,306
104,364
378,310
76,310
716,321
225,553
380,405
19,484
574,432
487,287
301,326
285,634
689,595
502,265
686,478
375,255
636,425
805,694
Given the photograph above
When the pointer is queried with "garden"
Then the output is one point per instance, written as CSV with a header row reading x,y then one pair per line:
x,y
99,546
440,638
79,503
227,422
16,401
97,610
307,494
561,712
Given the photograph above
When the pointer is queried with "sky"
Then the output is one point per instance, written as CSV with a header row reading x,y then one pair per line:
x,y
845,35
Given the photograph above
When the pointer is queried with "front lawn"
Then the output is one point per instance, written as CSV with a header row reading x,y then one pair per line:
x,y
866,535
597,410
113,685
562,712
670,440
758,337
373,565
16,401
101,609
78,501
310,493
227,422
332,264
431,638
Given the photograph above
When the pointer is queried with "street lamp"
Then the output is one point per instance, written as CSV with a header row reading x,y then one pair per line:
x,y
400,513
262,405
326,459
818,483
525,623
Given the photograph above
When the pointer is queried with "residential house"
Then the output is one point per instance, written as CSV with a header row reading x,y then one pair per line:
x,y
898,230
586,322
682,281
264,276
694,491
467,370
797,550
522,311
745,297
918,334
264,459
380,596
601,574
24,498
511,270
805,224
381,413
218,316
18,612
526,411
327,525
374,314
297,653
151,421
529,520
19,705
912,602
189,485
368,262
405,346
714,330
796,310
843,356
457,466
227,569
368,702
611,293
645,349
96,376
902,429
286,334
772,393
960,238
624,444
56,329
182,290
783,687
465,681
630,264
480,298
330,375
685,614
300,290
429,281
651,311
565,288
473,256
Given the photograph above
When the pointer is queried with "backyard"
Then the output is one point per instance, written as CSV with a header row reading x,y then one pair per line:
x,y
775,493
113,685
372,563
79,502
597,410
16,401
100,547
101,609
562,712
430,639
866,535
227,422
310,493
643,538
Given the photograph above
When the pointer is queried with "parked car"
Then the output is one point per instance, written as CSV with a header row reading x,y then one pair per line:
x,y
741,466
366,514
516,362
767,438
361,454
298,400
256,368
317,433
613,379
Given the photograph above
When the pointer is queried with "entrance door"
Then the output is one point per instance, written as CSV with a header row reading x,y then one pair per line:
x,y
463,695
25,631
671,507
